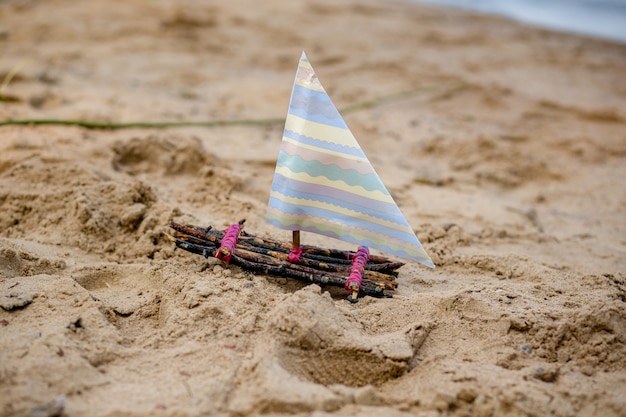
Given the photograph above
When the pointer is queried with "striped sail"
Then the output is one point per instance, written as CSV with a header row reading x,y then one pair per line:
x,y
325,184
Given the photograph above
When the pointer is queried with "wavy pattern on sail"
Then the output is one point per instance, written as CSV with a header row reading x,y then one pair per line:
x,y
315,106
332,172
349,234
299,189
325,155
327,145
321,132
341,214
325,184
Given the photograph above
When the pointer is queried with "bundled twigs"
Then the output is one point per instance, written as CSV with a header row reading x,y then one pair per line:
x,y
317,265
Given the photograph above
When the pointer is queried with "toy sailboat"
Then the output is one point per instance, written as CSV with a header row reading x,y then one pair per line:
x,y
324,184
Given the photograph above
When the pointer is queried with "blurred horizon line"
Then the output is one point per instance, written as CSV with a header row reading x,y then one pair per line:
x,y
605,19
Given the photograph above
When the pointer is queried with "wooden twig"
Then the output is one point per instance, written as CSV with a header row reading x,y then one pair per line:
x,y
9,77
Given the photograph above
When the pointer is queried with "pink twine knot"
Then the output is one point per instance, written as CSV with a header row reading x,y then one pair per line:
x,y
295,254
229,242
355,279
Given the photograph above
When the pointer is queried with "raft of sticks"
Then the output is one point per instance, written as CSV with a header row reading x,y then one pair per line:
x,y
316,265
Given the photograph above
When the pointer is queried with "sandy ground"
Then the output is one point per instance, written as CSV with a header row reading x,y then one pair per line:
x,y
505,146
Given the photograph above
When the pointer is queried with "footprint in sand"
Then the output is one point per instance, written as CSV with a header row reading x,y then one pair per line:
x,y
310,355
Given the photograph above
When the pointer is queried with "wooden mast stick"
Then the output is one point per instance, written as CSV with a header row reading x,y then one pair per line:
x,y
295,239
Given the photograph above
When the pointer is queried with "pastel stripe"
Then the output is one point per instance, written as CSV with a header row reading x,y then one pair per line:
x,y
320,131
315,106
348,234
340,214
296,164
312,191
338,230
308,140
309,153
338,184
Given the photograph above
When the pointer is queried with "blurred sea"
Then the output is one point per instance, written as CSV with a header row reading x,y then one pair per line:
x,y
599,18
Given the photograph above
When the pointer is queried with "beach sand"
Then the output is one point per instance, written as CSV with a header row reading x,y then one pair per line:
x,y
504,146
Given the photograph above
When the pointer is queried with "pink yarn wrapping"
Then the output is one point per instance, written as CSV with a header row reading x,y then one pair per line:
x,y
358,267
229,242
295,254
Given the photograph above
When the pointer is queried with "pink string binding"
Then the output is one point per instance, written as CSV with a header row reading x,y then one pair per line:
x,y
229,242
355,279
295,254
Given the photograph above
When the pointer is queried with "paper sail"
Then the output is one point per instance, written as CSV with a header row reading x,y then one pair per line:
x,y
325,184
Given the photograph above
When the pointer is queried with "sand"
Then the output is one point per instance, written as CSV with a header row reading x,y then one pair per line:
x,y
504,145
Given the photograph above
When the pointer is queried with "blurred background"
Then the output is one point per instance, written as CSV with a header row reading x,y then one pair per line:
x,y
598,18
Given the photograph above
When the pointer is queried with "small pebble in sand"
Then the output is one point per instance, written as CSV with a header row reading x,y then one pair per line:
x,y
546,374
